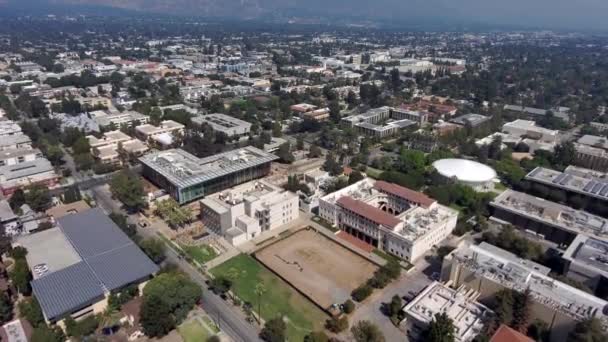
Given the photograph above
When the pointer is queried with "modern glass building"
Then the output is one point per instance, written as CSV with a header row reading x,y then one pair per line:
x,y
187,178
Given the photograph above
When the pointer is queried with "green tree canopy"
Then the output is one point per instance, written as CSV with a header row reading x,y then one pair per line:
x,y
441,329
128,188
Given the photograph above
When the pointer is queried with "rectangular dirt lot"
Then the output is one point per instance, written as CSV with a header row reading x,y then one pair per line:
x,y
320,268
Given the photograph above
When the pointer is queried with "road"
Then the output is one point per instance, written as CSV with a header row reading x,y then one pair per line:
x,y
230,319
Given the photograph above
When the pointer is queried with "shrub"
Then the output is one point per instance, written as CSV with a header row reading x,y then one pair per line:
x,y
360,293
337,325
349,306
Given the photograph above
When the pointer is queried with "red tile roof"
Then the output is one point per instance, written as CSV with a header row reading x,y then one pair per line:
x,y
370,212
507,334
362,245
405,193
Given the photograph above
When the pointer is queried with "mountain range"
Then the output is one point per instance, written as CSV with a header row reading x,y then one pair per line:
x,y
580,14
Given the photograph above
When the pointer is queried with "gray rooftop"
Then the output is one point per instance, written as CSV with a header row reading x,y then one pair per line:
x,y
50,248
183,169
110,260
593,187
590,253
473,119
26,169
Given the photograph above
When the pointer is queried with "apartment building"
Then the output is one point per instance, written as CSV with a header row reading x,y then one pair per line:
x,y
108,148
117,119
382,122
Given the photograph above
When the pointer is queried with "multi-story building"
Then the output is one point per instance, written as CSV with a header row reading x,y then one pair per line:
x,y
129,118
551,220
601,127
572,183
162,135
592,152
107,149
18,156
16,141
78,264
473,120
381,122
223,123
468,316
9,128
321,114
243,212
387,216
562,113
586,261
187,178
488,269
528,129
24,168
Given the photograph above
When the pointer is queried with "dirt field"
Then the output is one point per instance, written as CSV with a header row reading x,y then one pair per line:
x,y
320,268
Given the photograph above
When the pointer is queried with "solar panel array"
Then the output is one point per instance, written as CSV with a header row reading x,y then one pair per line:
x,y
597,188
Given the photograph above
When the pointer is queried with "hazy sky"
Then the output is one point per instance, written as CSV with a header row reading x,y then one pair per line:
x,y
562,13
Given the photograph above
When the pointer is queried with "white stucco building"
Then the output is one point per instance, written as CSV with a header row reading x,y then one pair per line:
x,y
243,212
395,219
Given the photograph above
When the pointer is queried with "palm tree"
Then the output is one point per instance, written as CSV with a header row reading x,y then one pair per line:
x,y
260,289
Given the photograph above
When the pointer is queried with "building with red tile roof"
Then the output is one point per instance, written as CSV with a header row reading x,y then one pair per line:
x,y
413,197
508,334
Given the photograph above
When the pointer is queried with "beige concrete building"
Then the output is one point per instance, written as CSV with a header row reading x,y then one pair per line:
x,y
488,269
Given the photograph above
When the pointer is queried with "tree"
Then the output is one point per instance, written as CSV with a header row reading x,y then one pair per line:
x,y
81,146
354,177
220,285
20,277
564,154
82,328
362,292
30,310
441,329
43,333
128,188
349,306
154,249
277,129
331,165
284,153
395,306
504,306
337,325
589,330
38,197
334,111
395,79
121,222
274,330
6,308
17,199
521,311
178,291
260,290
316,336
365,331
84,161
300,143
314,152
156,317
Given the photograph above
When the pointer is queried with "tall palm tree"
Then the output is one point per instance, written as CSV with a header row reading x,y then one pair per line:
x,y
260,289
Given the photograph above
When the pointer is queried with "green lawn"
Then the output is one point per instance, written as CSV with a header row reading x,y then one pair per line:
x,y
210,324
279,300
373,173
193,331
202,253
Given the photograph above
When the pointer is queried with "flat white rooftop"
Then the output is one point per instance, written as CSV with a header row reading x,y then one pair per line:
x,y
508,270
467,315
551,213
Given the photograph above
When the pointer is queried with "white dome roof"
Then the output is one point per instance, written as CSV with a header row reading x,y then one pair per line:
x,y
465,170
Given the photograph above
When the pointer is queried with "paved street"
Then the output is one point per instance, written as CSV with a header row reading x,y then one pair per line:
x,y
231,320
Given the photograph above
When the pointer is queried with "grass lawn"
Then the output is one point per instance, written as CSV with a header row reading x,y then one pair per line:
x,y
279,300
193,331
373,173
210,324
202,253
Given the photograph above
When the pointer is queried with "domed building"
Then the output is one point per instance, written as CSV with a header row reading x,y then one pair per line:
x,y
476,175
